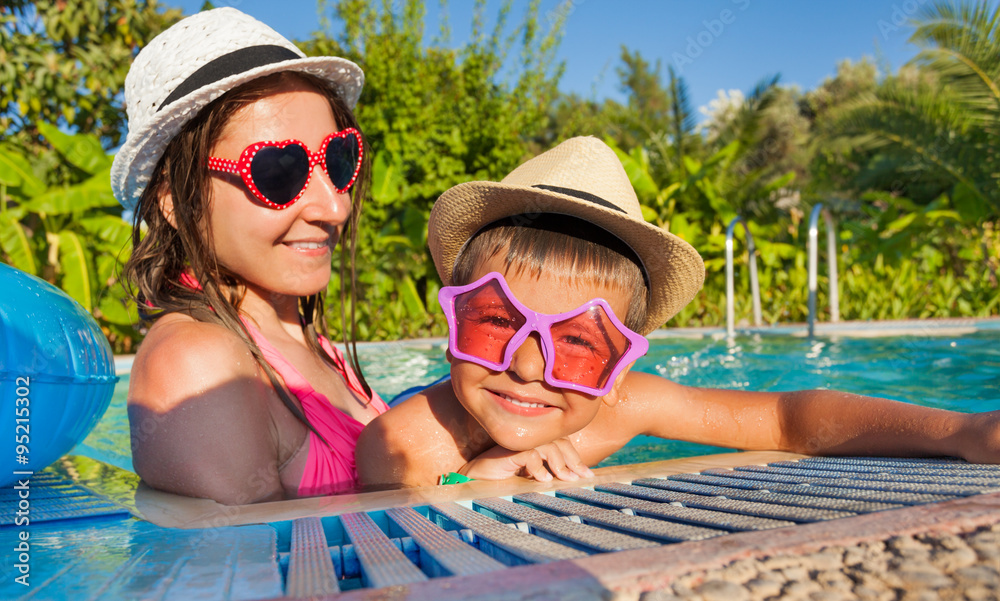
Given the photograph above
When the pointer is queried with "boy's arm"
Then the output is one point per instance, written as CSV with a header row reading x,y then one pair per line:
x,y
557,459
409,445
431,434
819,422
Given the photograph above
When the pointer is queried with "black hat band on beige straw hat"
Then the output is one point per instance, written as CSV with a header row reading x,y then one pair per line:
x,y
192,63
581,177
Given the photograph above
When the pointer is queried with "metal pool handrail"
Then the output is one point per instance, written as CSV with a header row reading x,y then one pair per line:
x,y
831,256
754,284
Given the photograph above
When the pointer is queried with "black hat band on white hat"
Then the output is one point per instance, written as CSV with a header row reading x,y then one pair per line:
x,y
597,200
227,65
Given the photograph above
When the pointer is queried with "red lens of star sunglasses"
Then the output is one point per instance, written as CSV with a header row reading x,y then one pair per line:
x,y
277,173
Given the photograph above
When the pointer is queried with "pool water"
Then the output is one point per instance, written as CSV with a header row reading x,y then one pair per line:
x,y
959,373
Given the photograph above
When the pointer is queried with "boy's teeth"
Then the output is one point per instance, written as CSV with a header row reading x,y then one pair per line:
x,y
523,403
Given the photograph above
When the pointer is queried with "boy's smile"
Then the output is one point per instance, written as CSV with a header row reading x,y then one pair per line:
x,y
516,407
521,406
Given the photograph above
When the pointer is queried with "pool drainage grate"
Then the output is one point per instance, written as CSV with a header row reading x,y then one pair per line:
x,y
407,545
47,497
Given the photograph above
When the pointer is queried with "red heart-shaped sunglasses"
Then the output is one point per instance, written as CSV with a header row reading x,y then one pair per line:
x,y
277,173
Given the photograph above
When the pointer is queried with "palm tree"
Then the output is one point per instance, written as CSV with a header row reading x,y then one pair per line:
x,y
933,127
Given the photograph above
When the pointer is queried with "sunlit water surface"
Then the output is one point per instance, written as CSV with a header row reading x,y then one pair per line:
x,y
959,373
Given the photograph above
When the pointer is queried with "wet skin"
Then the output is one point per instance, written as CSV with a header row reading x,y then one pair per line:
x,y
516,407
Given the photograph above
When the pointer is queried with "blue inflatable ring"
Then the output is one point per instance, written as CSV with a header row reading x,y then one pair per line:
x,y
57,373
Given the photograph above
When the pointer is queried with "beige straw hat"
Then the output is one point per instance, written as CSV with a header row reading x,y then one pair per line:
x,y
581,177
191,64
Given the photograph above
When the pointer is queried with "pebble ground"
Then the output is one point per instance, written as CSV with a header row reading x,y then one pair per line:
x,y
924,567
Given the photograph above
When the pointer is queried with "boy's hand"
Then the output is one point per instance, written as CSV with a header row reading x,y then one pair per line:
x,y
558,458
982,444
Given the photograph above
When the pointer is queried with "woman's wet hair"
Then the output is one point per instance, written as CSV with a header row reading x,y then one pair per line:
x,y
162,253
562,246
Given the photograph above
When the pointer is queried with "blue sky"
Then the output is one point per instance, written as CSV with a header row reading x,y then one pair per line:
x,y
713,44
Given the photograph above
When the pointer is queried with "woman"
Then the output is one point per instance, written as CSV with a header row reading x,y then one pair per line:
x,y
244,167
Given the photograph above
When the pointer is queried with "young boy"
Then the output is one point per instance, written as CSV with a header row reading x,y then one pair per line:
x,y
552,279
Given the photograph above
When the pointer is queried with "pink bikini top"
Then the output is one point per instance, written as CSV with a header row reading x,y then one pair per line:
x,y
330,469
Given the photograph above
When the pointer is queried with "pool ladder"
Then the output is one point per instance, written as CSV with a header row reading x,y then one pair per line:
x,y
813,241
754,283
831,257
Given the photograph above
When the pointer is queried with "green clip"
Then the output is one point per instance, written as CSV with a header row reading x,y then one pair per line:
x,y
453,478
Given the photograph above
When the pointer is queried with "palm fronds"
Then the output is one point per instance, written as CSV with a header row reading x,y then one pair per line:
x,y
934,126
961,43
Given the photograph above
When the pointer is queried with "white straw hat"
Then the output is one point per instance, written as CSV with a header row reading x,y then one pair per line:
x,y
191,64
581,177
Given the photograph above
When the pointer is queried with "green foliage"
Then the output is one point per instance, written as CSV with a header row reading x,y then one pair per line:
x,y
933,127
909,163
435,117
923,284
62,70
762,156
64,62
71,233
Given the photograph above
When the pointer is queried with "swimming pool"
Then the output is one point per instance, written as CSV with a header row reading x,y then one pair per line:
x,y
932,366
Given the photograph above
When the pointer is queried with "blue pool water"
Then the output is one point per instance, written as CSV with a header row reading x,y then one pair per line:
x,y
959,373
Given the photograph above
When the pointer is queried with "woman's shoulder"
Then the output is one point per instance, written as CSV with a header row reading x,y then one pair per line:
x,y
181,355
195,426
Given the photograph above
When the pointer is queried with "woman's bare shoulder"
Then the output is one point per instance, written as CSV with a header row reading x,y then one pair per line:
x,y
181,357
196,427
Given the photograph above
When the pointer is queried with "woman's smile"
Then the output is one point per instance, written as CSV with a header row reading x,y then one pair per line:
x,y
310,247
